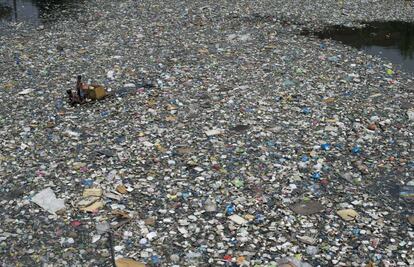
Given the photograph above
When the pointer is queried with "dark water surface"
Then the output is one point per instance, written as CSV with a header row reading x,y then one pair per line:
x,y
37,11
392,40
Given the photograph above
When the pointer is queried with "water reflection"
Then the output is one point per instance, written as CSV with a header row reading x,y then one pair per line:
x,y
393,40
35,11
5,12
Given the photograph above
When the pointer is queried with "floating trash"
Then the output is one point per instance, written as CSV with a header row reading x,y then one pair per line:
x,y
84,92
227,138
308,208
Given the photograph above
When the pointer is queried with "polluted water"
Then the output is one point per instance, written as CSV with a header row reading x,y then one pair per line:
x,y
36,12
226,139
391,40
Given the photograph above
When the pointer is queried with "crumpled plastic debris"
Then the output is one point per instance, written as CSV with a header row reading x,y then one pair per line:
x,y
292,262
47,200
26,91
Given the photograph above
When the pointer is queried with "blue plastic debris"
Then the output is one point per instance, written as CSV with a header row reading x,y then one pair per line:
x,y
87,182
356,150
230,209
306,110
316,176
325,146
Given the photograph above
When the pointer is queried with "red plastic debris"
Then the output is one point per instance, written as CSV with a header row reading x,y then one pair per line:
x,y
227,257
75,223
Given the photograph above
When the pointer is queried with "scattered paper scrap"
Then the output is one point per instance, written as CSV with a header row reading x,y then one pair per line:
x,y
214,132
237,219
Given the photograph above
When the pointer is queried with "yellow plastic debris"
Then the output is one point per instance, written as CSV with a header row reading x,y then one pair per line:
x,y
94,207
92,192
121,189
348,214
96,92
124,262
